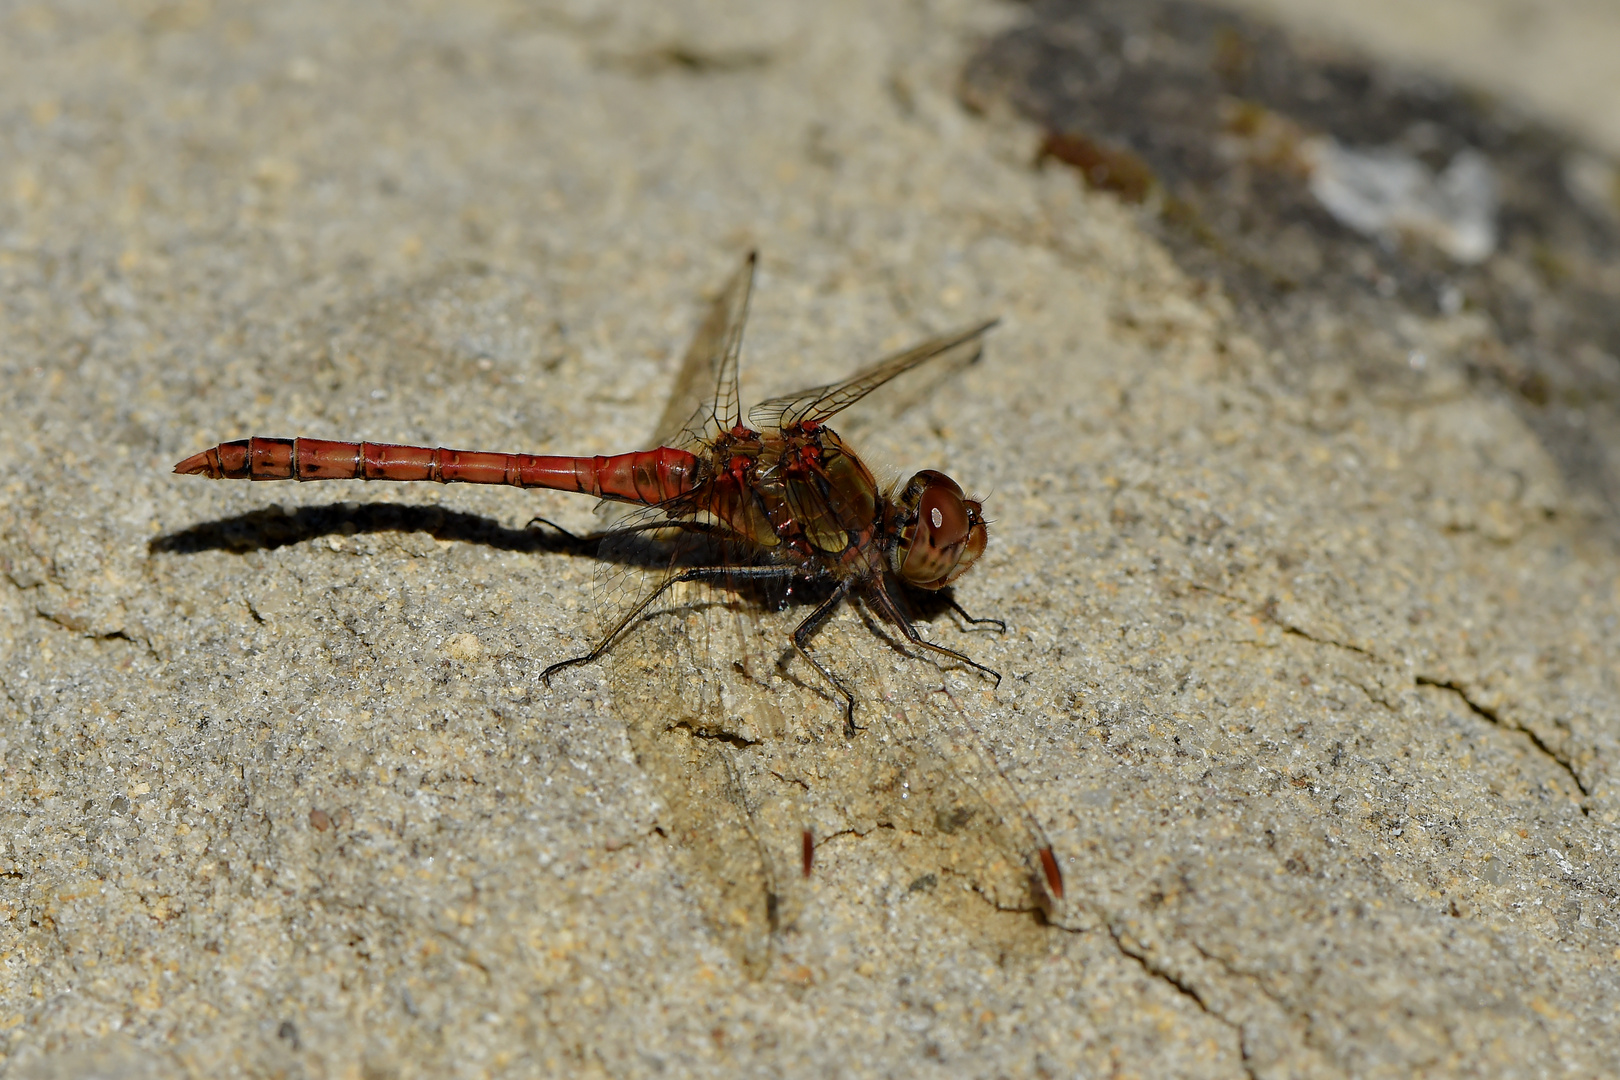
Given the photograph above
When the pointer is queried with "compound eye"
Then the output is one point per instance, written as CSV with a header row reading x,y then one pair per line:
x,y
945,516
944,538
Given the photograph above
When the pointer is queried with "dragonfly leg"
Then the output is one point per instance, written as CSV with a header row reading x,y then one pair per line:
x,y
801,644
878,596
572,537
697,573
960,610
716,531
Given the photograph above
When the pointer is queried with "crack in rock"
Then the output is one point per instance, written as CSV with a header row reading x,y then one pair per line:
x,y
1183,987
1494,717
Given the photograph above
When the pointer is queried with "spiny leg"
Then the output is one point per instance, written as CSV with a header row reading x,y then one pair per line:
x,y
717,532
572,537
801,644
960,610
697,573
878,596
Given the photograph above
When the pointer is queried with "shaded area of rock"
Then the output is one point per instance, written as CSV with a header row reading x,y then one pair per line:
x,y
1345,204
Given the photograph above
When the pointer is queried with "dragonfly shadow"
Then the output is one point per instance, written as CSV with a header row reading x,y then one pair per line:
x,y
275,527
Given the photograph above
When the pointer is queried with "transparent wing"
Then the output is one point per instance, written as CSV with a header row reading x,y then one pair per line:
x,y
687,675
982,827
822,402
704,398
746,746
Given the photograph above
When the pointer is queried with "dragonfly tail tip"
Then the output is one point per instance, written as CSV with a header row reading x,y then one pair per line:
x,y
196,465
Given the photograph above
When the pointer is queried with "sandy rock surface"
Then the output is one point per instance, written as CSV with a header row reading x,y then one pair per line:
x,y
1310,680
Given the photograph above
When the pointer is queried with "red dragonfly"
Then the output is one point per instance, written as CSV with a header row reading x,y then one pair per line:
x,y
778,502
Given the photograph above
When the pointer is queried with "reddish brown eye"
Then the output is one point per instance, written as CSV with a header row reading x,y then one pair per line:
x,y
942,533
945,515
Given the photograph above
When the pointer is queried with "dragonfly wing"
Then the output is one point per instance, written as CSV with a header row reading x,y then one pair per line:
x,y
691,676
820,403
704,398
983,827
745,743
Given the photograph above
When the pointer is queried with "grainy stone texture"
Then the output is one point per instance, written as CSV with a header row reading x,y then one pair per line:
x,y
1311,675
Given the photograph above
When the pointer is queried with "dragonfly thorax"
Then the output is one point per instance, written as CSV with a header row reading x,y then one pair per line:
x,y
941,533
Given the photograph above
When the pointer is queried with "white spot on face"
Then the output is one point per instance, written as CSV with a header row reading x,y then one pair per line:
x,y
936,517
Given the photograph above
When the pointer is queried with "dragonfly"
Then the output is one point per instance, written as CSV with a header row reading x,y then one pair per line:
x,y
777,504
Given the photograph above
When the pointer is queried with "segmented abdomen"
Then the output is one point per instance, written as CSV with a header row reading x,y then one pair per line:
x,y
647,476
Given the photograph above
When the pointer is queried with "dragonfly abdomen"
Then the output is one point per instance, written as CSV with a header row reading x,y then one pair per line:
x,y
647,476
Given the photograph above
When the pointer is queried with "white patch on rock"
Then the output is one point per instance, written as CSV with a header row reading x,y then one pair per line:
x,y
1386,192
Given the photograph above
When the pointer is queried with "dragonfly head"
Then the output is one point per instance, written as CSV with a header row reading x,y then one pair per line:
x,y
941,532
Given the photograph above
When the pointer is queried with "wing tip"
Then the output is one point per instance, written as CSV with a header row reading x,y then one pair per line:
x,y
1054,876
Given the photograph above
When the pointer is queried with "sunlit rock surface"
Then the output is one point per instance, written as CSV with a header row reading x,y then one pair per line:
x,y
1308,565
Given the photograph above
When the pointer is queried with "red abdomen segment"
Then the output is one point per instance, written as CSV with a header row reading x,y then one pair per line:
x,y
648,476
